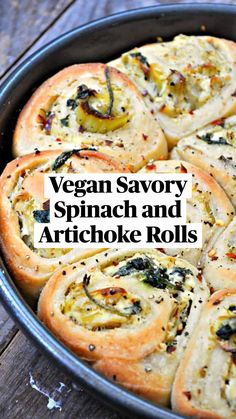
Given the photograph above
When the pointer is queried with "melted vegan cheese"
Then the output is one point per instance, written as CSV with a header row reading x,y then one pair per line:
x,y
123,308
179,76
219,133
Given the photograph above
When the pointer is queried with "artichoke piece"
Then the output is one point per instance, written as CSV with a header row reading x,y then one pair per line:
x,y
94,121
158,77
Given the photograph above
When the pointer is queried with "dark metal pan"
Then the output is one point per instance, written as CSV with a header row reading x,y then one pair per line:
x,y
101,40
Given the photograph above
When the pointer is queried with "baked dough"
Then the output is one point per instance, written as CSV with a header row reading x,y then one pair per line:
x,y
209,205
220,265
213,148
90,105
186,83
22,203
129,313
205,382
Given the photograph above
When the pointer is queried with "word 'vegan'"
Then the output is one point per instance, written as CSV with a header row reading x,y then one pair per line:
x,y
80,188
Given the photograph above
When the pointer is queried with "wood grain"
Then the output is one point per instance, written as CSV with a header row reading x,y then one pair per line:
x,y
79,13
21,23
83,11
7,329
23,366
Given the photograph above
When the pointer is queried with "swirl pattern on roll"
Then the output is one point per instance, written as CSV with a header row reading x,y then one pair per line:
x,y
204,386
22,203
130,313
88,105
186,83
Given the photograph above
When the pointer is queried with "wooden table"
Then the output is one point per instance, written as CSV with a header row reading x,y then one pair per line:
x,y
26,25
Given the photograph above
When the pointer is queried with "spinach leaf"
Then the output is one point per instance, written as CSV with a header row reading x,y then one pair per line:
x,y
135,308
182,272
83,92
158,278
65,121
155,276
42,216
208,139
72,104
110,91
63,157
227,329
138,264
140,57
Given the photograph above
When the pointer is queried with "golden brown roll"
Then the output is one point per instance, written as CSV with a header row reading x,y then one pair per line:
x,y
213,148
22,203
204,385
209,205
220,265
90,105
186,83
130,313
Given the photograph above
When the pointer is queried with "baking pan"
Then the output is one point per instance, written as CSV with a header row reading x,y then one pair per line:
x,y
100,40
